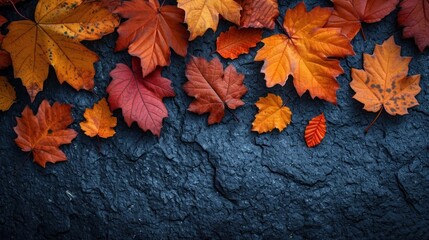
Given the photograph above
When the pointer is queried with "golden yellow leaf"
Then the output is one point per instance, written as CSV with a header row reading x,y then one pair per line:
x,y
54,39
7,94
201,15
272,114
99,120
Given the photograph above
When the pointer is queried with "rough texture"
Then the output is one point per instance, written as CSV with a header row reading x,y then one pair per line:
x,y
224,181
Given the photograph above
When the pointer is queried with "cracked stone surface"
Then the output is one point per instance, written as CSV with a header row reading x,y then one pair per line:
x,y
224,181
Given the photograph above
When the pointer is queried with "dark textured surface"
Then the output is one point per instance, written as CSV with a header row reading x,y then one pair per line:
x,y
224,181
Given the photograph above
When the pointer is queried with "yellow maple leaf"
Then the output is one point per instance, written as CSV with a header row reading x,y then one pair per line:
x,y
272,114
54,39
201,15
305,52
99,120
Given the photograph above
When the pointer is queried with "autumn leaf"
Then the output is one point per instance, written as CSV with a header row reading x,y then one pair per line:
x,y
306,53
315,131
202,14
272,114
139,98
150,31
349,14
7,94
43,133
213,88
99,120
54,39
258,13
4,56
235,41
108,4
414,16
384,83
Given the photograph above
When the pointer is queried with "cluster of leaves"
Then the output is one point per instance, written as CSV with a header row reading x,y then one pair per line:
x,y
309,50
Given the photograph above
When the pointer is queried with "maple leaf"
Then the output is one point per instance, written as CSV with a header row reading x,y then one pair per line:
x,y
4,56
305,53
414,16
54,39
272,114
7,94
202,14
139,98
349,14
258,13
43,133
99,120
150,32
384,83
232,43
315,131
213,88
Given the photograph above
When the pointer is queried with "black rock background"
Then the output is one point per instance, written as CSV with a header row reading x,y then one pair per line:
x,y
224,181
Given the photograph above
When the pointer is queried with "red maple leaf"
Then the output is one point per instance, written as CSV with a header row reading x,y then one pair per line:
x,y
139,98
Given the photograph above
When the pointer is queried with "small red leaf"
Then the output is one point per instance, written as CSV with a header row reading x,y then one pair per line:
x,y
315,130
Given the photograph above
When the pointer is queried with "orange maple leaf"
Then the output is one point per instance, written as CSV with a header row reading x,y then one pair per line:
x,y
213,88
315,131
54,39
384,83
7,94
43,133
99,120
414,16
202,14
349,14
258,13
232,43
272,114
305,53
150,31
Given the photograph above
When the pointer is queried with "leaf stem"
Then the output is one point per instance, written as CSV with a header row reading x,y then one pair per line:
x,y
363,33
233,114
283,28
16,10
373,121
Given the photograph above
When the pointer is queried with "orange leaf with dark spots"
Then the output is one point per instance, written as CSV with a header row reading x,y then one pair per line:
x,y
258,13
54,39
150,31
384,83
99,120
232,43
414,16
315,131
139,98
213,88
349,14
43,133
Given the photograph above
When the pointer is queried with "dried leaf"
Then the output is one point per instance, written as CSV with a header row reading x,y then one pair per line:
x,y
43,133
258,13
139,98
235,41
272,114
315,131
306,53
414,16
99,120
7,94
213,88
202,14
384,82
54,39
150,31
349,14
